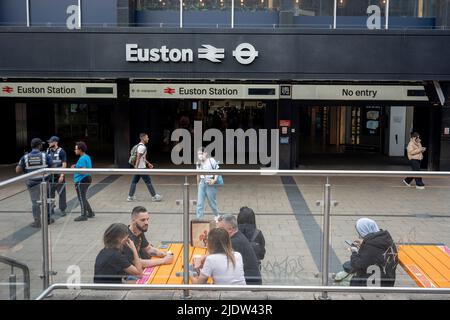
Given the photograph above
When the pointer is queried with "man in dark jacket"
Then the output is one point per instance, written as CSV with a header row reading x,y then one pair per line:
x,y
241,244
375,255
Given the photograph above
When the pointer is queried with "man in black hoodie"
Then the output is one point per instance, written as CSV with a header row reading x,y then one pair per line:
x,y
376,251
241,244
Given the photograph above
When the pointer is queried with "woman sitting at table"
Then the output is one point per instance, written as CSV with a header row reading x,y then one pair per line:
x,y
222,264
111,264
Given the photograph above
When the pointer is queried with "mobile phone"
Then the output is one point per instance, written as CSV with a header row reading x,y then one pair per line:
x,y
349,243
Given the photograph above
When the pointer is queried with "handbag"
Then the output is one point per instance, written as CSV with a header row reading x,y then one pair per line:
x,y
219,180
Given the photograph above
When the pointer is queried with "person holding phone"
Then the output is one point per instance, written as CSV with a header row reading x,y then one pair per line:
x,y
374,249
415,156
111,264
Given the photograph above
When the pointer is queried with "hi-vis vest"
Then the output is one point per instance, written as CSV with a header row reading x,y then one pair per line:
x,y
35,161
55,156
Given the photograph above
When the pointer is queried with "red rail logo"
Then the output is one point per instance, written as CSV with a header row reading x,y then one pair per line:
x,y
169,90
7,89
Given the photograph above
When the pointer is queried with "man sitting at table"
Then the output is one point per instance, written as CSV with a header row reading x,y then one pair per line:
x,y
240,244
139,225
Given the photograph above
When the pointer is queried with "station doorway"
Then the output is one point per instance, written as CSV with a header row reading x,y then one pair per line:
x,y
160,117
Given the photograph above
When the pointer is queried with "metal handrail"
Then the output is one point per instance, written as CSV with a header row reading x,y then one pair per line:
x,y
264,288
233,172
26,273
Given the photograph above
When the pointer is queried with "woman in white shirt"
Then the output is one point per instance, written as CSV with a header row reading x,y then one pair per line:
x,y
206,184
222,264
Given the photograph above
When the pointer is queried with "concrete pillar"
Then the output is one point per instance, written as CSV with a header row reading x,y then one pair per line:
x,y
287,145
121,120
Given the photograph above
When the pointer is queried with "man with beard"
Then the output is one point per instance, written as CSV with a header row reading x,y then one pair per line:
x,y
139,225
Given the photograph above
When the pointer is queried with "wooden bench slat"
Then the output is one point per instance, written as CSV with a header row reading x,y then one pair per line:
x,y
178,266
442,256
427,268
433,262
416,274
162,274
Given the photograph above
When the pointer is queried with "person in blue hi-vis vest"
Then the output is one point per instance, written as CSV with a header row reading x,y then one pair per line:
x,y
32,161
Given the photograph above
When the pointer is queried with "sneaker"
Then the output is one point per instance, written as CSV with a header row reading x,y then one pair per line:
x,y
91,215
36,224
157,198
80,218
420,187
62,213
133,198
406,183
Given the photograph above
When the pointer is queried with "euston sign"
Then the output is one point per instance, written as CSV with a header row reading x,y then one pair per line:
x,y
244,53
203,91
58,90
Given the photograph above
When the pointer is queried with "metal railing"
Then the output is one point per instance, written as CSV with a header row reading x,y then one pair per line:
x,y
12,278
255,288
326,208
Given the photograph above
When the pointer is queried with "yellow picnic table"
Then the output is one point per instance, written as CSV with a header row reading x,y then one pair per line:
x,y
167,274
427,265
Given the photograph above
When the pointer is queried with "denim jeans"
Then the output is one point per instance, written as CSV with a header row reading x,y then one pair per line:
x,y
148,183
209,192
35,196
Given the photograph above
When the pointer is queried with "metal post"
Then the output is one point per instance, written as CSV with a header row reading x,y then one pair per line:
x,y
232,14
326,237
181,13
28,13
44,228
12,285
79,14
186,236
335,14
387,15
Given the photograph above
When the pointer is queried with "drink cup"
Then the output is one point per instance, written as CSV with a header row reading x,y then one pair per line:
x,y
196,261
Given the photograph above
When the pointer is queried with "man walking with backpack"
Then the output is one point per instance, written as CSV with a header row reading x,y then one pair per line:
x,y
138,159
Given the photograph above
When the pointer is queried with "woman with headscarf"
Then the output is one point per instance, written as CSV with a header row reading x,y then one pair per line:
x,y
373,254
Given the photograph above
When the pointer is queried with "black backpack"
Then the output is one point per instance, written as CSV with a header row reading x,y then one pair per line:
x,y
255,245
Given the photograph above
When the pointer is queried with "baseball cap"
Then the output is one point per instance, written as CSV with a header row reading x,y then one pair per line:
x,y
53,139
36,142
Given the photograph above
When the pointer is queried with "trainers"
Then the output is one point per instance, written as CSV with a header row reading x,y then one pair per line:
x,y
133,198
157,198
62,213
80,218
36,224
91,215
406,183
420,187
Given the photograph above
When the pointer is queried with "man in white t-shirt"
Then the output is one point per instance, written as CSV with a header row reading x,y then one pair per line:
x,y
142,163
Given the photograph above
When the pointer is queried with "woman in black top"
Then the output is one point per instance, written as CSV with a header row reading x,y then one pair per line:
x,y
247,225
374,251
111,265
